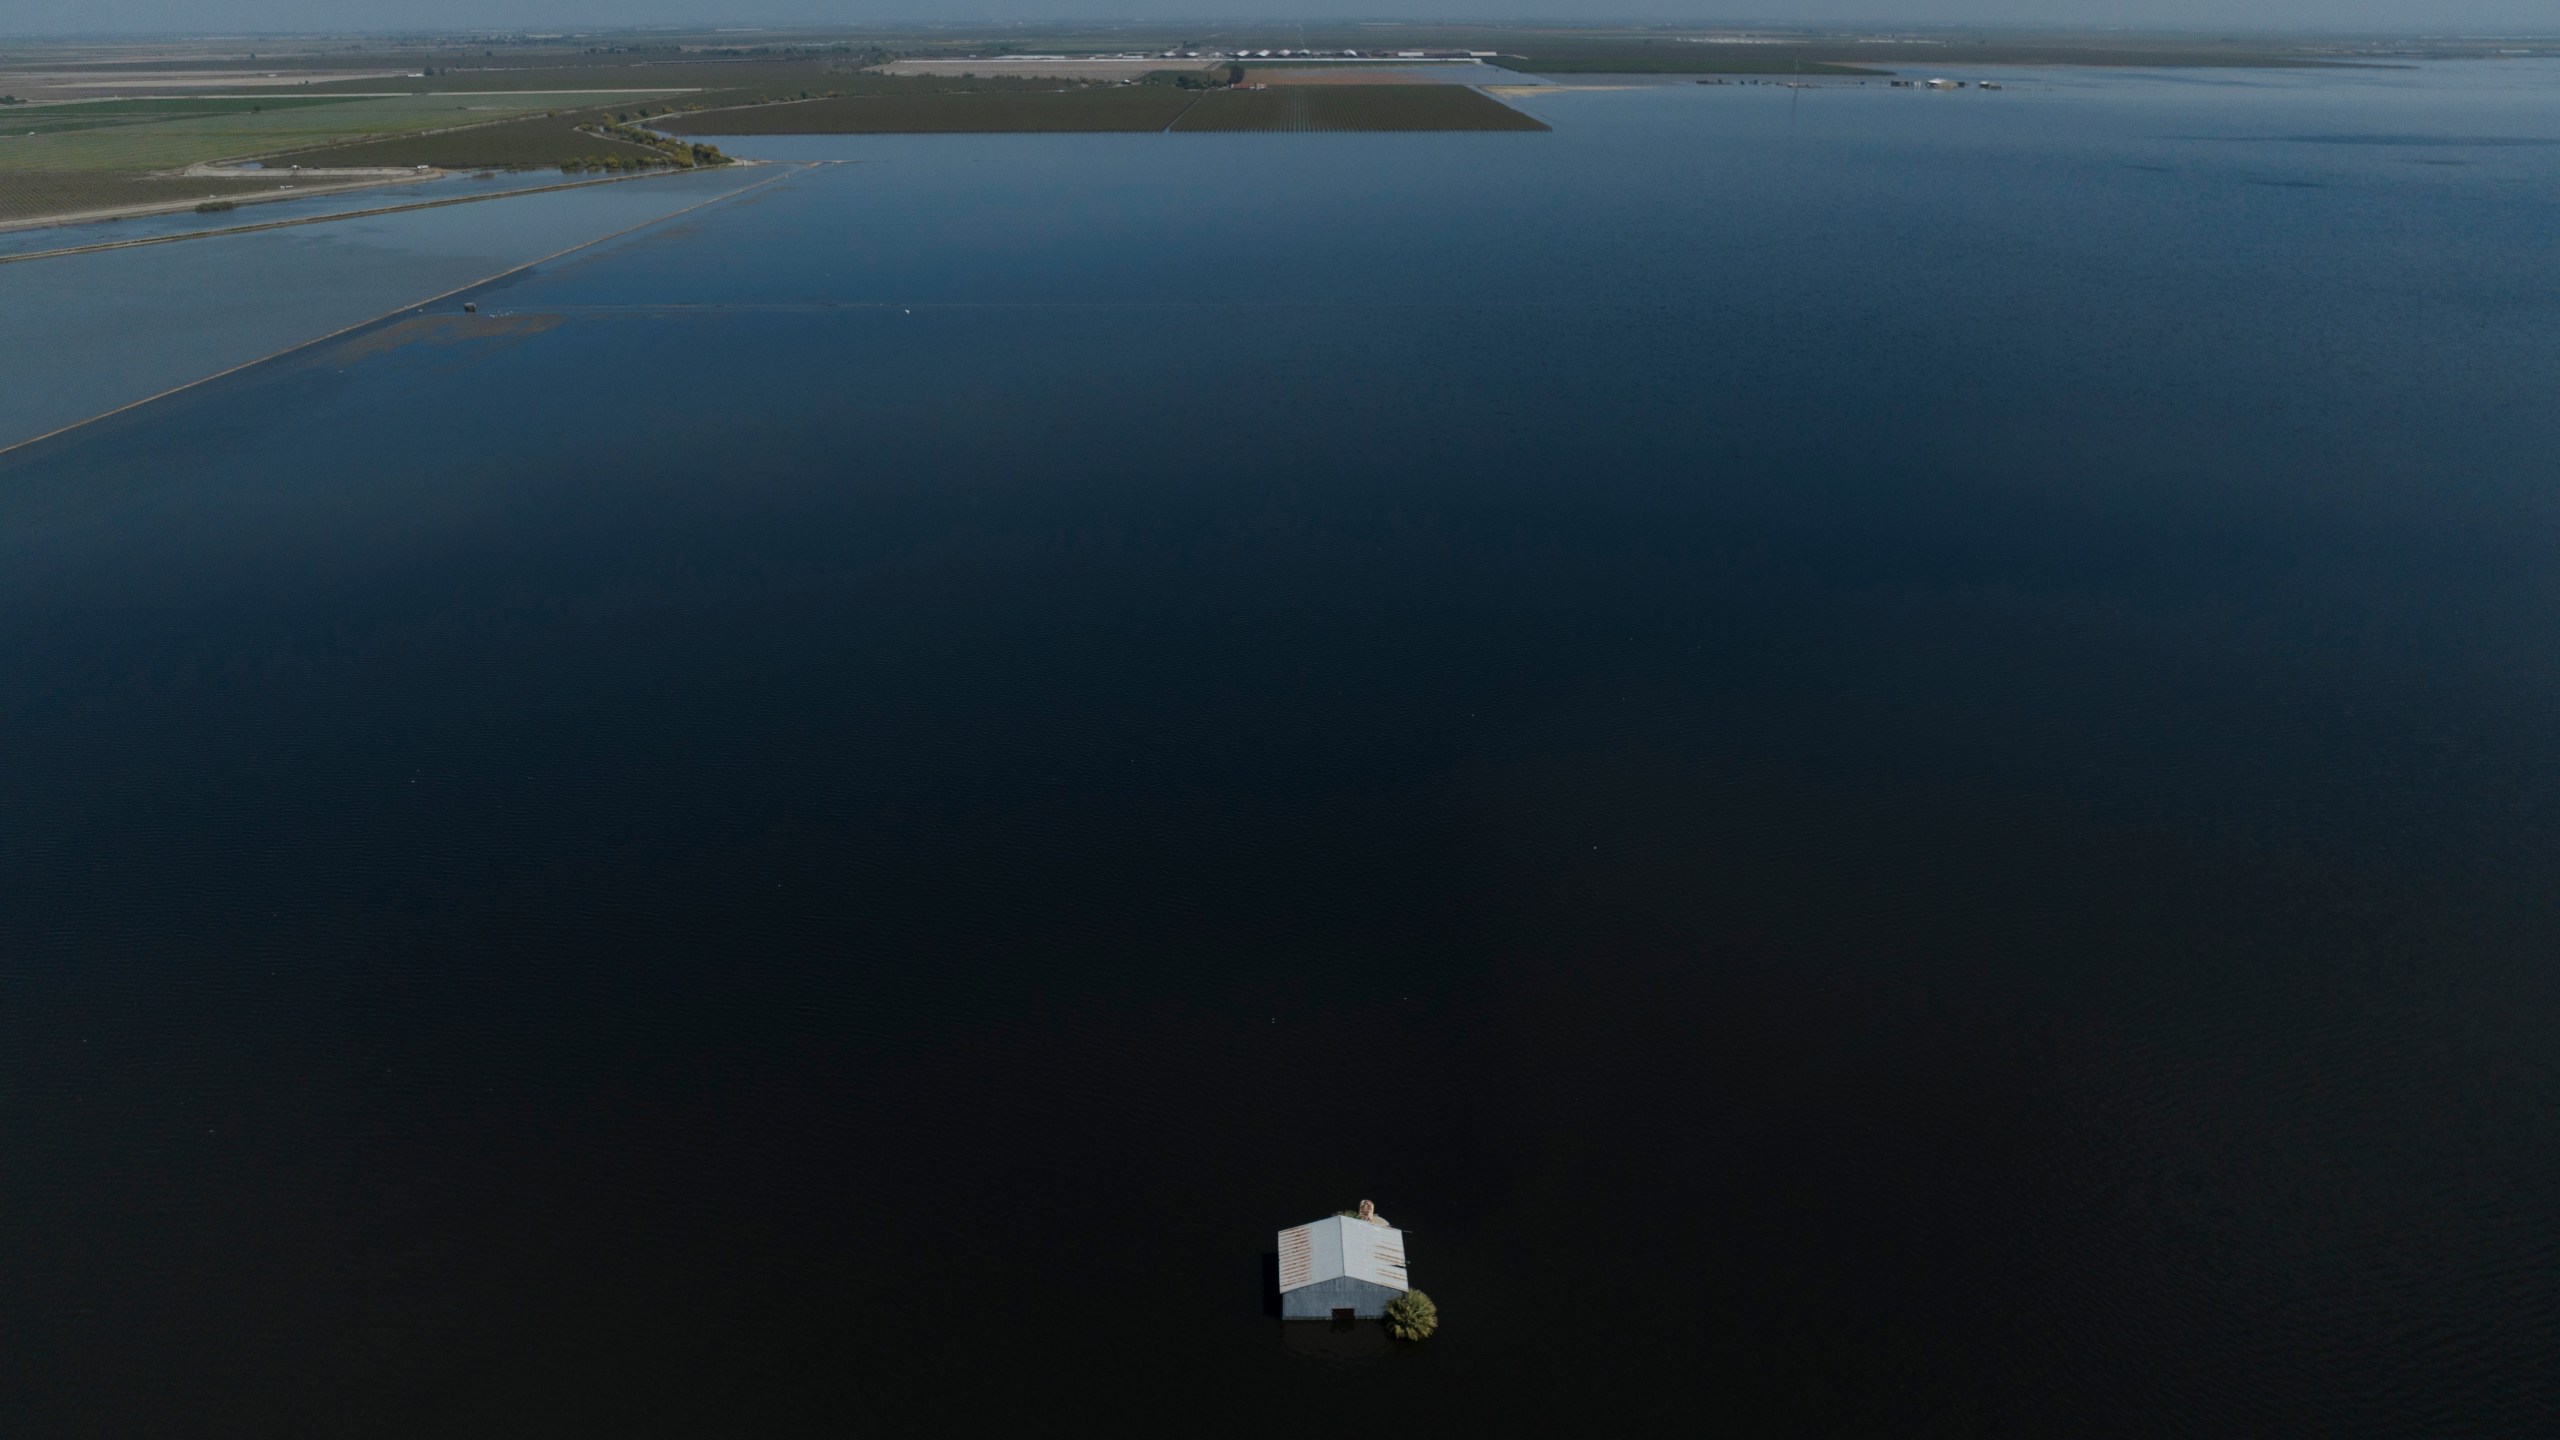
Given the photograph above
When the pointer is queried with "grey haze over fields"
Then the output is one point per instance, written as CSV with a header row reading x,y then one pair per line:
x,y
48,17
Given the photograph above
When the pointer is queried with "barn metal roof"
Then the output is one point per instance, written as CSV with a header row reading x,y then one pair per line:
x,y
1340,1246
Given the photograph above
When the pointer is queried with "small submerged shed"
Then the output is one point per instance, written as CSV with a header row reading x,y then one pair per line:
x,y
1346,1267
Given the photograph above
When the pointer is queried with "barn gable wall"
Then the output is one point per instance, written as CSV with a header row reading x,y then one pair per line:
x,y
1319,1300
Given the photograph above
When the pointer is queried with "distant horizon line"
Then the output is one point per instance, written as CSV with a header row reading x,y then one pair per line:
x,y
1809,29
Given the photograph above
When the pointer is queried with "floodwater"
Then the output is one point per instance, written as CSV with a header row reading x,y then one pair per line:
x,y
293,207
1880,759
107,329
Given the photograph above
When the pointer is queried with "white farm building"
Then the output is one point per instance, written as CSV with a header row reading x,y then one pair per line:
x,y
1341,1268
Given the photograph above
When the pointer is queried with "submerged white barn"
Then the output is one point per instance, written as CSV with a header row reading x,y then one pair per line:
x,y
1341,1268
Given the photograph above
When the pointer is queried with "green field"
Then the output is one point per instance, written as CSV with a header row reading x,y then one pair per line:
x,y
842,86
1355,107
1606,55
535,142
493,102
175,144
127,154
106,114
30,197
1109,108
497,107
983,112
648,78
1676,58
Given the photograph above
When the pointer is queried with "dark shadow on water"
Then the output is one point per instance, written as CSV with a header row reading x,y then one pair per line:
x,y
1336,1341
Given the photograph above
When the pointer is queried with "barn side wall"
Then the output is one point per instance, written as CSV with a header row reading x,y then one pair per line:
x,y
1320,1300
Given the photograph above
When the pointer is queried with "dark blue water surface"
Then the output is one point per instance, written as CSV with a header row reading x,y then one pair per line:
x,y
1883,760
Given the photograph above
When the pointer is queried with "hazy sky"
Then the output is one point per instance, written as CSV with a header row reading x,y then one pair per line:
x,y
23,17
